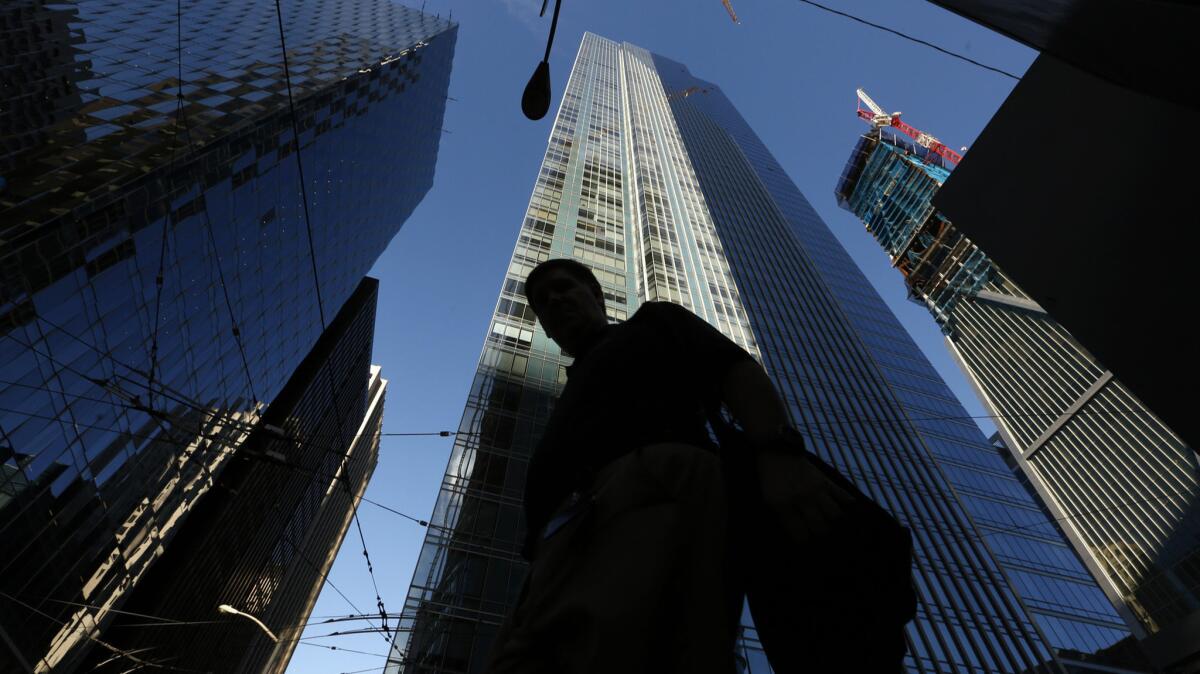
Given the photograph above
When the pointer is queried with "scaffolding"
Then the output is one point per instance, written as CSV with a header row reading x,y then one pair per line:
x,y
889,183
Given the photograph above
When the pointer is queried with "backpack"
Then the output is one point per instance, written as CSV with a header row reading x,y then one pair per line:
x,y
839,602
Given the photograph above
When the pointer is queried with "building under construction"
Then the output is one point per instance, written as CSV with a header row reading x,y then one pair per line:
x,y
1120,483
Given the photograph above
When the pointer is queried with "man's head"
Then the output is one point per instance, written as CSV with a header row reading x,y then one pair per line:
x,y
568,301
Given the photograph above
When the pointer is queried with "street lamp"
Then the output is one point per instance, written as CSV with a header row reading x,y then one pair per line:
x,y
535,102
226,608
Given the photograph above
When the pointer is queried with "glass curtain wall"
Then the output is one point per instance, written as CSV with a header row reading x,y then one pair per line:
x,y
653,179
1123,487
156,286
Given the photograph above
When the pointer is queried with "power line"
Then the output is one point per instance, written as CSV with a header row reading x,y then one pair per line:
x,y
368,669
335,477
312,256
1103,413
325,579
910,38
137,405
119,652
227,449
230,450
287,78
166,216
349,650
208,226
812,424
158,413
159,619
422,522
349,633
862,420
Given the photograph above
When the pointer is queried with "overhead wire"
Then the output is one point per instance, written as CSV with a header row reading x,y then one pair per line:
x,y
226,449
349,650
325,580
910,38
163,416
166,215
1102,413
159,619
181,115
312,621
423,522
384,631
163,621
990,529
368,669
124,653
1017,528
312,254
183,400
237,334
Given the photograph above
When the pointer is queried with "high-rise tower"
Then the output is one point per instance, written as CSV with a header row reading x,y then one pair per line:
x,y
654,180
164,271
1124,488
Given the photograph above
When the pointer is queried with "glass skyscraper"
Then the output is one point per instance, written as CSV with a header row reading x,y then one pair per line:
x,y
268,533
1124,487
157,258
653,179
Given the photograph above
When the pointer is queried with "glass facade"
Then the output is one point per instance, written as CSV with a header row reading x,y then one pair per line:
x,y
156,290
1121,485
295,499
653,179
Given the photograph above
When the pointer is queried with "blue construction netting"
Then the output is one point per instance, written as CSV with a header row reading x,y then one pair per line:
x,y
891,190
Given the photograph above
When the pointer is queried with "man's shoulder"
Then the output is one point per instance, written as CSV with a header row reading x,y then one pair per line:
x,y
661,311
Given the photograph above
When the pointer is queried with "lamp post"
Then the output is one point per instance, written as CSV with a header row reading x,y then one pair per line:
x,y
227,609
535,101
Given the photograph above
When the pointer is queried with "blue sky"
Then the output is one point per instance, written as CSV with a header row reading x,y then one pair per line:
x,y
791,70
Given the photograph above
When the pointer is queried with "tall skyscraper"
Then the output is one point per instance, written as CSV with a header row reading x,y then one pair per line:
x,y
1124,488
157,257
266,536
654,180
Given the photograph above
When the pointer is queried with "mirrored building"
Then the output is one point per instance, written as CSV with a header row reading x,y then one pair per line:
x,y
653,179
179,223
266,535
1123,486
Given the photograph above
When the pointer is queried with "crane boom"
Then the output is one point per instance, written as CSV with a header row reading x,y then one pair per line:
x,y
872,105
875,116
729,8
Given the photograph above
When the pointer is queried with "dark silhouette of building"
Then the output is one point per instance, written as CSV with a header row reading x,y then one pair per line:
x,y
164,270
267,533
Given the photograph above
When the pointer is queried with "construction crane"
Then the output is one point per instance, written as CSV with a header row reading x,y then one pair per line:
x,y
876,117
729,8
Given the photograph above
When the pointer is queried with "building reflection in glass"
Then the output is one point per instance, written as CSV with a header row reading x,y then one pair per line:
x,y
121,384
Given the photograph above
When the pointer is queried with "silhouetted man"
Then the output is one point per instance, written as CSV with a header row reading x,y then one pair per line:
x,y
628,527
